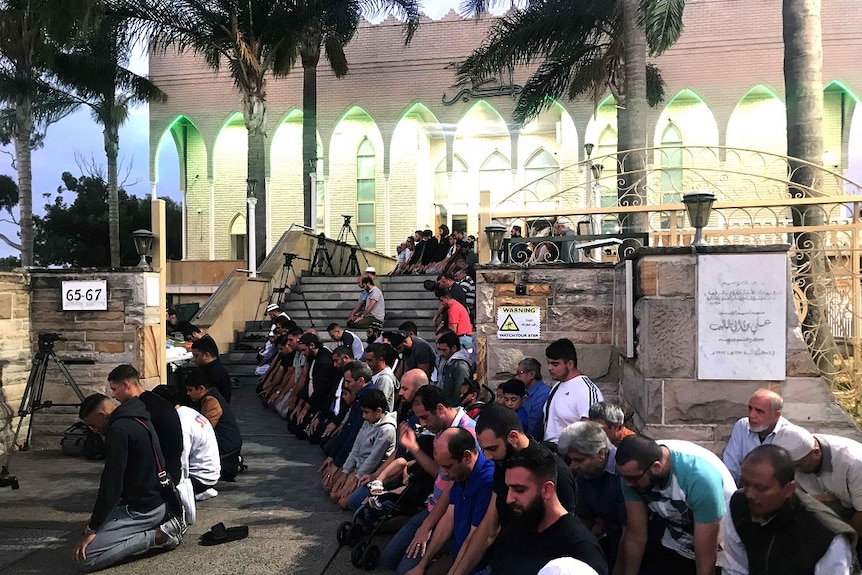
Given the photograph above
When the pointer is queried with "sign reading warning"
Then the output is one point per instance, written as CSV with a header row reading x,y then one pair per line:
x,y
518,322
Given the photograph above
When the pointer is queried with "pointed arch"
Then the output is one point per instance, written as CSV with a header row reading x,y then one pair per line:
x,y
238,240
604,118
692,117
229,173
285,168
542,174
758,122
840,105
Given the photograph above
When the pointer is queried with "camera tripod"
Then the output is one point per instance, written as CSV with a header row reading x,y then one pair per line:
x,y
351,267
321,259
32,401
278,293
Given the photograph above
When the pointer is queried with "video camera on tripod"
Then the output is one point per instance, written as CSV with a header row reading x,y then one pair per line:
x,y
47,341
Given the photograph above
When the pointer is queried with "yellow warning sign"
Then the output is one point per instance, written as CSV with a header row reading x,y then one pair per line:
x,y
509,324
519,322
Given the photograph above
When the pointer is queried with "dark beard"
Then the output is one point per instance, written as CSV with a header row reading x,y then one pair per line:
x,y
530,517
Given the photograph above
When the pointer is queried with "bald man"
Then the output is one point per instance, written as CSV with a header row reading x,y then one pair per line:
x,y
759,428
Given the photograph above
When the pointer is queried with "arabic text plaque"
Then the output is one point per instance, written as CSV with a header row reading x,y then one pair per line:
x,y
742,316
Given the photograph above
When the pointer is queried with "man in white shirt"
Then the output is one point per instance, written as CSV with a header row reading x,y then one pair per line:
x,y
759,428
383,377
570,399
774,528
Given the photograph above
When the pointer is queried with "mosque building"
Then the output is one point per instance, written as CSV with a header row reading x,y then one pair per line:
x,y
401,147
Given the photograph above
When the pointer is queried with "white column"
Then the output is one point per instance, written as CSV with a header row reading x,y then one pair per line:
x,y
184,210
153,192
388,234
252,244
313,177
269,241
212,219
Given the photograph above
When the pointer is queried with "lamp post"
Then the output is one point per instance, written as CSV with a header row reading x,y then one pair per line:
x,y
251,199
495,232
143,240
698,204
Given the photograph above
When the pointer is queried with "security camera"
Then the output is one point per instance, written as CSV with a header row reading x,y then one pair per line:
x,y
200,211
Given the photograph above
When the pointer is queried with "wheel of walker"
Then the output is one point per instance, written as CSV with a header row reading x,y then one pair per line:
x,y
357,554
343,530
371,557
354,535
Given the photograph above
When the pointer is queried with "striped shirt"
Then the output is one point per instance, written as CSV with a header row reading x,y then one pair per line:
x,y
567,403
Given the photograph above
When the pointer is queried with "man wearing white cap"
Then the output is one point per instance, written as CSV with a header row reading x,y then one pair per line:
x,y
371,272
828,468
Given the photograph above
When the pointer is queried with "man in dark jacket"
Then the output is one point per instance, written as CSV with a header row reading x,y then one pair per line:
x,y
209,402
129,514
126,384
205,356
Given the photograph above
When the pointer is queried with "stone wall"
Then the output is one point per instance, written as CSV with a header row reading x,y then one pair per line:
x,y
576,302
124,333
14,350
660,384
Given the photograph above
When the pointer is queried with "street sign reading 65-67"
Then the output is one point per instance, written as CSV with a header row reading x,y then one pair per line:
x,y
84,295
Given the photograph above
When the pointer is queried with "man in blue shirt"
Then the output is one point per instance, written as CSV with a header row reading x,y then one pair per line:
x,y
472,479
530,372
759,428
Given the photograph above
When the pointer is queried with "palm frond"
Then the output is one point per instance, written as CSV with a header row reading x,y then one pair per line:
x,y
335,55
662,23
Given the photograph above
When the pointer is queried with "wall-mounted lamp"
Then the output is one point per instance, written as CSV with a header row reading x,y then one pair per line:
x,y
698,204
588,148
143,240
495,233
250,186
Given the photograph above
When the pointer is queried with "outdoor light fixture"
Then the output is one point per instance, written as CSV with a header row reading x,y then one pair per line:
x,y
698,204
143,245
597,171
588,148
250,185
495,239
251,200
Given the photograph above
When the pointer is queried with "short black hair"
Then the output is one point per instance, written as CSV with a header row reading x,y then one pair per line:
x,y
332,326
499,419
408,327
374,399
366,281
778,457
295,331
310,339
90,403
167,393
536,459
450,339
206,345
124,372
514,387
639,449
460,441
281,340
430,396
562,349
197,379
342,351
285,322
172,311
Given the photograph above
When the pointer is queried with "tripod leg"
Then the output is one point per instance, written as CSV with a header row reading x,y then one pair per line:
x,y
32,399
352,233
69,379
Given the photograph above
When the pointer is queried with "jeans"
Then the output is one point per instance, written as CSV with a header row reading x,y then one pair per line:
x,y
356,498
396,549
125,532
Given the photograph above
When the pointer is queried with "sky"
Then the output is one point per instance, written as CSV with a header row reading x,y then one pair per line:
x,y
78,138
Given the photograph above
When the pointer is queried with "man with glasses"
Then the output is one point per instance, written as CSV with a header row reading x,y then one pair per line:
x,y
688,487
530,372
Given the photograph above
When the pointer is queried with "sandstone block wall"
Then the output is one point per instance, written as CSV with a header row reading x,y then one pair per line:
x,y
576,302
660,384
14,350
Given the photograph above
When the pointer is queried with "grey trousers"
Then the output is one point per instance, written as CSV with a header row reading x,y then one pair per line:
x,y
125,532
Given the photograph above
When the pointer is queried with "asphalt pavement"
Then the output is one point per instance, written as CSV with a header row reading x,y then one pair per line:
x,y
292,524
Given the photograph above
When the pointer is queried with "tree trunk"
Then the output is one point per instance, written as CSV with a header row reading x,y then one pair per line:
x,y
23,132
111,135
803,85
310,53
631,120
254,114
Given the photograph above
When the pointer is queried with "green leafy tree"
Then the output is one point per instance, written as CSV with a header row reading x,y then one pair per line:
x,y
96,74
32,33
8,200
65,234
583,48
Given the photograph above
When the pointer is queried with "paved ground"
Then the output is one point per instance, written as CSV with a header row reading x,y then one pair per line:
x,y
291,523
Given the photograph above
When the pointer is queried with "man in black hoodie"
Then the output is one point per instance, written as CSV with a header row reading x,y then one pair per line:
x,y
129,514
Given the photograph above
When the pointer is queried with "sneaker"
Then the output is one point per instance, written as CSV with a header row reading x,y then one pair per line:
x,y
173,528
208,494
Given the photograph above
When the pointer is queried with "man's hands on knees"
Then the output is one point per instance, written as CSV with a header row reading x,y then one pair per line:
x,y
79,553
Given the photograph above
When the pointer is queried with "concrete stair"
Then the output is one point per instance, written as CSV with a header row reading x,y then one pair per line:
x,y
330,299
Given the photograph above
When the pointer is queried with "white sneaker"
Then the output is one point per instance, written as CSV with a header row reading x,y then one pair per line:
x,y
173,528
208,494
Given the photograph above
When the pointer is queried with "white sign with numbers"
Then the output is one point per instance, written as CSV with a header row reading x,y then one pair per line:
x,y
85,295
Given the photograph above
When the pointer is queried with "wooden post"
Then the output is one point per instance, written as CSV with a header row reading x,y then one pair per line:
x,y
484,221
160,266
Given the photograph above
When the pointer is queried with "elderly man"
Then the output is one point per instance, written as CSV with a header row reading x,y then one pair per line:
x,y
471,475
544,529
129,514
684,484
763,421
601,505
612,419
774,528
828,468
530,373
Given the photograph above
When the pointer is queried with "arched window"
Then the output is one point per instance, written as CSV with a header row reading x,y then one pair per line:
x,y
238,238
442,193
605,155
543,169
366,195
495,176
671,171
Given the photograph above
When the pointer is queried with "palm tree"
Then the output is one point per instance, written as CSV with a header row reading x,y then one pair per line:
x,y
583,48
803,86
330,26
32,32
96,73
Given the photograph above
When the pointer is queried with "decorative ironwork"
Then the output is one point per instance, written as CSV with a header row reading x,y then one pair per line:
x,y
754,206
